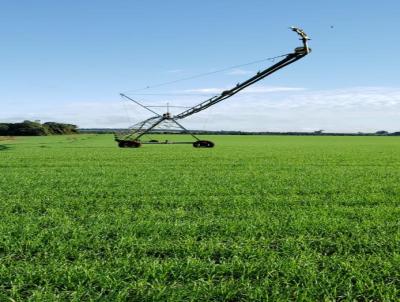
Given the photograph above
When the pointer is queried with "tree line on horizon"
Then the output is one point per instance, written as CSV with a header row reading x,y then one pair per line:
x,y
237,132
35,128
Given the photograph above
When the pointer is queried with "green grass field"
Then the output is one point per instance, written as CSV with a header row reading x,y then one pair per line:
x,y
257,218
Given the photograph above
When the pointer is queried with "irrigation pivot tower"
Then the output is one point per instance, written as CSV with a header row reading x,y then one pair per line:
x,y
134,138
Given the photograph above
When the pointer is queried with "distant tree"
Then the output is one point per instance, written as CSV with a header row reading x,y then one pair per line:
x,y
382,132
318,132
29,128
4,128
59,128
395,133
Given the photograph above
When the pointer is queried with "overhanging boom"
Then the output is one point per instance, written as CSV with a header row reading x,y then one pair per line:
x,y
133,139
289,59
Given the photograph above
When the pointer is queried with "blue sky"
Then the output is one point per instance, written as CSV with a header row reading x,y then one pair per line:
x,y
68,61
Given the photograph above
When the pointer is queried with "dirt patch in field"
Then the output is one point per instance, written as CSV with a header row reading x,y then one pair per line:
x,y
6,138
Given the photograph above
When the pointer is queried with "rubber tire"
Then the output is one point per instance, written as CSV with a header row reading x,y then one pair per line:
x,y
133,144
122,144
129,144
203,144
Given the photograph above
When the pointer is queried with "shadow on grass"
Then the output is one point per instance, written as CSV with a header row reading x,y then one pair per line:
x,y
4,147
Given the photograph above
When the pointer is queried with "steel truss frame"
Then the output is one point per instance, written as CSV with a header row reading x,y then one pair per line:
x,y
137,131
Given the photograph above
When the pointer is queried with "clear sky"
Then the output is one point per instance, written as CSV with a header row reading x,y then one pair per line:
x,y
68,61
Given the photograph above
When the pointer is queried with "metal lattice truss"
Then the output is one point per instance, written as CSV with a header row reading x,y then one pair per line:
x,y
169,122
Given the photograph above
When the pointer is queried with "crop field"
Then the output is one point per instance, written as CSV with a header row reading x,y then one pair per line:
x,y
257,218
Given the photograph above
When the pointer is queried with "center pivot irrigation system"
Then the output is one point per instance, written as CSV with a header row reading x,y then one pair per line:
x,y
133,139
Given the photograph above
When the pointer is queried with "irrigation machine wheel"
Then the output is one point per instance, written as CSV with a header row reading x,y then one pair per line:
x,y
203,144
129,144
